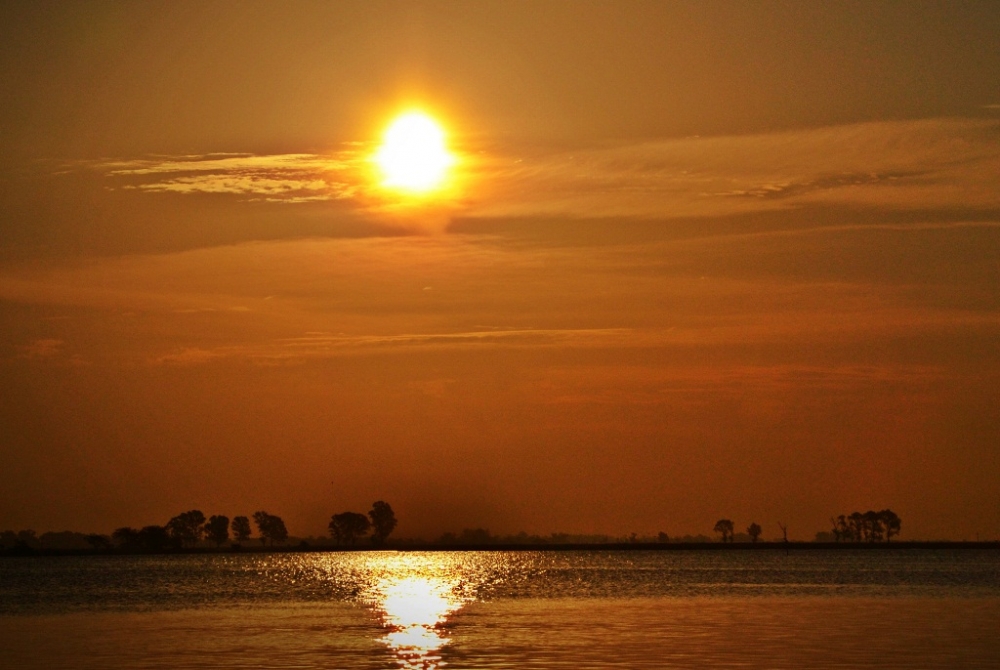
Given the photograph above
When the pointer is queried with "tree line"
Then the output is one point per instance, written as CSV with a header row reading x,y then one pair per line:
x,y
187,529
349,527
190,528
869,526
727,529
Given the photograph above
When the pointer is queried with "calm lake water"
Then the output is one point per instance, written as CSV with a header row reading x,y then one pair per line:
x,y
906,608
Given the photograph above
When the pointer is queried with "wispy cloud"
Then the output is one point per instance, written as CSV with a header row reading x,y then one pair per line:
x,y
698,384
269,188
788,189
224,163
932,163
324,345
276,178
902,164
43,348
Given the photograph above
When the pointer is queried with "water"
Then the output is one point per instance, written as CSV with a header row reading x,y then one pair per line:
x,y
903,608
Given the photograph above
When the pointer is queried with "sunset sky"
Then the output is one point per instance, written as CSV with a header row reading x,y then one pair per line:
x,y
693,260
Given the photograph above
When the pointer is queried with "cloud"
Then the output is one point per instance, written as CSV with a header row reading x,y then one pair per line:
x,y
699,384
790,189
51,351
345,176
315,298
929,163
325,345
902,165
189,356
272,189
43,348
288,178
227,163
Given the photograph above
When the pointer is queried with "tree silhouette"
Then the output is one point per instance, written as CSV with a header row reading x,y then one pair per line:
x,y
150,538
186,528
155,538
475,536
383,521
754,530
276,531
271,528
27,538
856,526
241,528
725,527
891,522
347,527
868,527
217,529
873,528
260,518
98,542
126,537
841,529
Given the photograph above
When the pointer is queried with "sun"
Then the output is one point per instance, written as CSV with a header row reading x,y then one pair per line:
x,y
414,156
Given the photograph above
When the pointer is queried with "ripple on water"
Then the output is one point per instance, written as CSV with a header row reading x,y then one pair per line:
x,y
922,609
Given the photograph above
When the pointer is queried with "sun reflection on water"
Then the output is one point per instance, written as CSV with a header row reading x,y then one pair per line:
x,y
414,599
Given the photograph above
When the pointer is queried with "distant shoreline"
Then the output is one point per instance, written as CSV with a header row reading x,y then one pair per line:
x,y
611,546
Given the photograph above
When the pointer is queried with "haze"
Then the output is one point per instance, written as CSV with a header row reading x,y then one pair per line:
x,y
700,260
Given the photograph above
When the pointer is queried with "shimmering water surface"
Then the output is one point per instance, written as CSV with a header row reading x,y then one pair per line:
x,y
906,608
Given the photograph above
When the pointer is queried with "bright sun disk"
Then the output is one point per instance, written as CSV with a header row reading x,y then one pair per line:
x,y
414,155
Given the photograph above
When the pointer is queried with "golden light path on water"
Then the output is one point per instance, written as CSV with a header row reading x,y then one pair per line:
x,y
413,609
414,595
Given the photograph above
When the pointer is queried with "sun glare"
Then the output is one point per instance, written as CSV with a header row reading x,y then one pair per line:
x,y
414,155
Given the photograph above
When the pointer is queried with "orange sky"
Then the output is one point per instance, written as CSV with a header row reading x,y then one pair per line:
x,y
699,260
